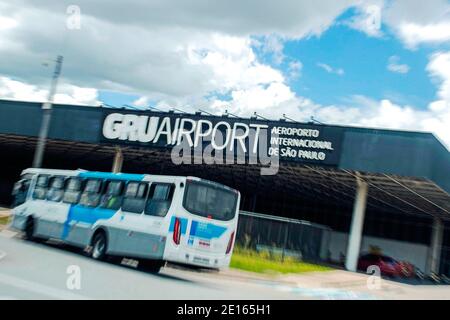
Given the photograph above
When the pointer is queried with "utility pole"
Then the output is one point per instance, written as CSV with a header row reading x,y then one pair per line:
x,y
46,115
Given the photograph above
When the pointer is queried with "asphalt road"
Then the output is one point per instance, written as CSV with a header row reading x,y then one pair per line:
x,y
45,271
40,271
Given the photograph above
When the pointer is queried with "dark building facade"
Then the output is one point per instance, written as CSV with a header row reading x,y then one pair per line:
x,y
320,171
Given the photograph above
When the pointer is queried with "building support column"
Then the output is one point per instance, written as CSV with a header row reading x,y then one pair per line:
x,y
356,229
434,258
118,161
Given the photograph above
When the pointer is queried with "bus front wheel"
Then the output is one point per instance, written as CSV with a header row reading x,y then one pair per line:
x,y
99,245
29,230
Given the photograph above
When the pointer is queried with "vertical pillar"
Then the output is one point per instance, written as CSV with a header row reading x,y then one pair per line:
x,y
118,160
434,257
354,239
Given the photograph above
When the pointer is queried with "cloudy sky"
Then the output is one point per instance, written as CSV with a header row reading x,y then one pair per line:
x,y
374,63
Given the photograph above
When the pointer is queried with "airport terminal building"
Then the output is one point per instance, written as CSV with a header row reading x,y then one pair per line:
x,y
371,187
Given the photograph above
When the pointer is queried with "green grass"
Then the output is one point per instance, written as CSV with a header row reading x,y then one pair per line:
x,y
4,220
264,262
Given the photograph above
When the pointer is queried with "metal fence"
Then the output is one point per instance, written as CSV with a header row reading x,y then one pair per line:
x,y
302,240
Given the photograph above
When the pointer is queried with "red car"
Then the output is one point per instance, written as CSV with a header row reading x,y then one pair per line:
x,y
388,266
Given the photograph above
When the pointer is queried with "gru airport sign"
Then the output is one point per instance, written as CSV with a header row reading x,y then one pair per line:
x,y
289,141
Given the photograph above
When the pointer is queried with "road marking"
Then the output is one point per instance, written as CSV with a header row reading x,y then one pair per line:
x,y
2,254
39,288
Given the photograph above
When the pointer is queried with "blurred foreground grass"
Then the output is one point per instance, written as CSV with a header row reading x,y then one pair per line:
x,y
4,220
266,262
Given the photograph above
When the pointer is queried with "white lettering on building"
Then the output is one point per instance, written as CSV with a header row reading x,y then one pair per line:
x,y
288,142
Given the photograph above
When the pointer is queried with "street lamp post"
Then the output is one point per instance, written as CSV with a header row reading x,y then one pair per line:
x,y
46,115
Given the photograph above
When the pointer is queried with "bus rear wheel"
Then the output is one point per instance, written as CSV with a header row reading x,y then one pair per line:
x,y
149,265
99,245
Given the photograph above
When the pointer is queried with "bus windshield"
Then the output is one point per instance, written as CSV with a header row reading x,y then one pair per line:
x,y
210,201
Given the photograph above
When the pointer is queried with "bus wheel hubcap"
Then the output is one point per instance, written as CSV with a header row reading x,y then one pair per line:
x,y
99,248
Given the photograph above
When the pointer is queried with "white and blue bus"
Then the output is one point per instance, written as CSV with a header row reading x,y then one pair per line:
x,y
150,218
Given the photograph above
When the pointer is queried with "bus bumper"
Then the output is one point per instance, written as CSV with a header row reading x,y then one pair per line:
x,y
200,259
18,222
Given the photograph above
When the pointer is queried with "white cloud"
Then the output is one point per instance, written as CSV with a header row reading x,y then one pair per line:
x,y
368,18
232,64
418,22
414,22
141,102
294,69
161,49
273,44
7,23
329,69
439,69
67,94
415,34
395,66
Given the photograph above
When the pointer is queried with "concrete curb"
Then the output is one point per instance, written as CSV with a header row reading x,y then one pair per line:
x,y
225,275
278,279
244,276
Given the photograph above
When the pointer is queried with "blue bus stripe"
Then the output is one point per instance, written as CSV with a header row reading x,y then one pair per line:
x,y
109,175
87,215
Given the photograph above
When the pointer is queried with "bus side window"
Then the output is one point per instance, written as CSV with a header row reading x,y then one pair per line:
x,y
91,193
56,190
112,198
135,197
40,191
72,191
159,199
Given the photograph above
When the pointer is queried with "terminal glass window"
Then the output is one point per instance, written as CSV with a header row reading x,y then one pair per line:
x,y
159,200
135,197
92,193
